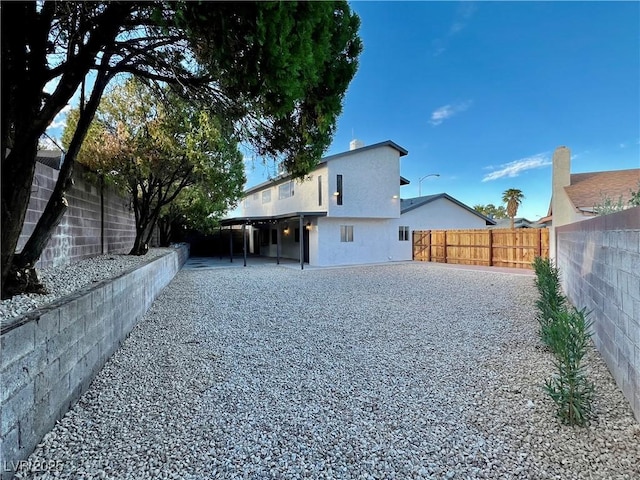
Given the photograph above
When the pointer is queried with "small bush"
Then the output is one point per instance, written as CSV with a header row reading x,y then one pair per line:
x,y
566,332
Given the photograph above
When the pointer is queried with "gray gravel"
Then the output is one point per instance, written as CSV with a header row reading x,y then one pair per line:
x,y
397,372
66,279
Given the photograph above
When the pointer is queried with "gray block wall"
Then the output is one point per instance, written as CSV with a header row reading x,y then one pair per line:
x,y
95,215
599,261
49,357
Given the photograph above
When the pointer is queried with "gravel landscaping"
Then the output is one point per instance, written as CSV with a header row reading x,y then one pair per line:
x,y
401,371
66,279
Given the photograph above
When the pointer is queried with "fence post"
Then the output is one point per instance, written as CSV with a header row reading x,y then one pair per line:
x,y
429,247
490,247
413,245
445,246
539,250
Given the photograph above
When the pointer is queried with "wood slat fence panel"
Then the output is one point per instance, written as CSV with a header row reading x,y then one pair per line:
x,y
491,247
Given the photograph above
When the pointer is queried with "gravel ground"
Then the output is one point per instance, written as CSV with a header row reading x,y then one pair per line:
x,y
66,279
396,372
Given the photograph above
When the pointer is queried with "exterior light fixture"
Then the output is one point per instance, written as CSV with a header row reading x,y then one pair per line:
x,y
308,226
395,196
335,194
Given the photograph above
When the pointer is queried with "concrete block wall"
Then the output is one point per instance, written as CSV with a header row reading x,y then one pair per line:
x,y
599,261
92,209
49,357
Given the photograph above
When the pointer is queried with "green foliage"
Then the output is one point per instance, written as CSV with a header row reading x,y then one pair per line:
x,y
570,388
513,198
607,205
491,211
634,201
566,332
161,149
551,299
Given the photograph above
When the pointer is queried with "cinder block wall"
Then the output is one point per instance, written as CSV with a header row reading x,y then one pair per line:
x,y
49,357
92,208
599,261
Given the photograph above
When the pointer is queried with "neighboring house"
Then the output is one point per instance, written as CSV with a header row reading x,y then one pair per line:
x,y
518,222
441,212
574,196
346,211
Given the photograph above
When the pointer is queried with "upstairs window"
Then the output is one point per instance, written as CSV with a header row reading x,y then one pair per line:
x,y
285,190
319,190
266,196
403,234
339,189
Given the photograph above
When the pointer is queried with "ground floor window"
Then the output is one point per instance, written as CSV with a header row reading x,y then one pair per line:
x,y
346,233
403,234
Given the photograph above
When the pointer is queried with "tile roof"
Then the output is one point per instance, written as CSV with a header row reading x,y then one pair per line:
x,y
589,189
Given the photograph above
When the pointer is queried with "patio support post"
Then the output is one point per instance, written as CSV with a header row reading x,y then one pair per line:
x,y
301,238
220,241
244,243
231,243
278,242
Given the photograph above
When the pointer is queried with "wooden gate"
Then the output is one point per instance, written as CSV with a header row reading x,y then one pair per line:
x,y
514,248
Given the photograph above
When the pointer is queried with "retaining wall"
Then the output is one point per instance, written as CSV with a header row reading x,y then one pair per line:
x,y
98,219
48,357
599,262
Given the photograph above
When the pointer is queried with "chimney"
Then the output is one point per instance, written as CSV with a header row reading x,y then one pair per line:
x,y
561,175
355,144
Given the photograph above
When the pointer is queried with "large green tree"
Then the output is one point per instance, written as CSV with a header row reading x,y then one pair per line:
x,y
513,198
277,70
153,144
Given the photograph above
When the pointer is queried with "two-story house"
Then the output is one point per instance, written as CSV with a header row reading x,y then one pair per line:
x,y
346,211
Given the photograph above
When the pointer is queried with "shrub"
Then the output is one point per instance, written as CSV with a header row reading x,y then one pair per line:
x,y
569,387
566,332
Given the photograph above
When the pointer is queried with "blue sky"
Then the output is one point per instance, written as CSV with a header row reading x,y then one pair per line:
x,y
483,92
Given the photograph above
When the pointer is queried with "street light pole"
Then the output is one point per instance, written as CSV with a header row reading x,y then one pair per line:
x,y
422,178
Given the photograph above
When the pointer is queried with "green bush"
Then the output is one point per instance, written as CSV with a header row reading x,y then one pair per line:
x,y
566,332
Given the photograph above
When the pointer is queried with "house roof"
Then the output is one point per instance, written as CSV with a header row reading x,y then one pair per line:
x,y
518,222
408,204
285,177
589,189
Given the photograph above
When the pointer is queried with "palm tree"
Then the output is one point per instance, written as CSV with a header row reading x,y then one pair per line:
x,y
513,198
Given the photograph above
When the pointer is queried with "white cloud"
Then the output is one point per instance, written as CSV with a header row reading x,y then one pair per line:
x,y
447,111
463,15
513,169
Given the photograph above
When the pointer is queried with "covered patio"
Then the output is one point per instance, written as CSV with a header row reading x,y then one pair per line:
x,y
268,231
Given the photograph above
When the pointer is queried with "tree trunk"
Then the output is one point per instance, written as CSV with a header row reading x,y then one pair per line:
x,y
23,264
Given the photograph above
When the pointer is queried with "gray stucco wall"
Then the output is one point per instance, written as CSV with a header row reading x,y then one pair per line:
x,y
90,220
49,357
599,261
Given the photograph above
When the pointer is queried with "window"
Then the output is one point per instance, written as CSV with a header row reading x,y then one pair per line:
x,y
346,233
339,189
255,196
320,190
266,196
274,237
403,234
285,190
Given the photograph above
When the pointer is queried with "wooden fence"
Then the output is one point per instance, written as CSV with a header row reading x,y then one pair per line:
x,y
491,247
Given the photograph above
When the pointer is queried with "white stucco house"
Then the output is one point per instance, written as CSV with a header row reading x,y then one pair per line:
x,y
346,211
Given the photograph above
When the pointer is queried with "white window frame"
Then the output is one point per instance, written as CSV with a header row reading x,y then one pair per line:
x,y
266,196
403,233
285,190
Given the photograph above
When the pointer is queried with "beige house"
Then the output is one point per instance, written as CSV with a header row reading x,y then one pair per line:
x,y
574,196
